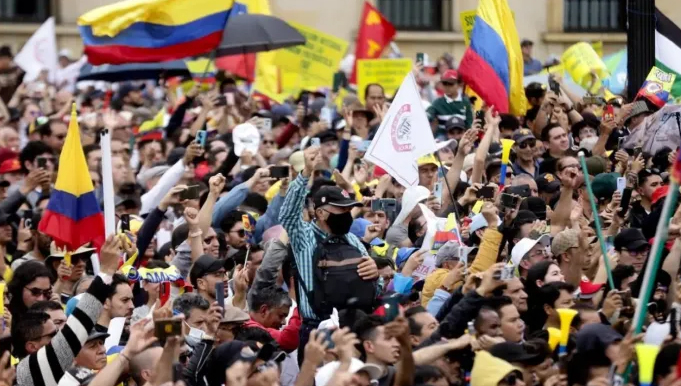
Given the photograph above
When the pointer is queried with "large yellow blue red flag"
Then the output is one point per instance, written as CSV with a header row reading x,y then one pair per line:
x,y
73,217
153,30
493,64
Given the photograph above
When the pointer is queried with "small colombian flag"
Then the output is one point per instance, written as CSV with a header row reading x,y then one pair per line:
x,y
73,217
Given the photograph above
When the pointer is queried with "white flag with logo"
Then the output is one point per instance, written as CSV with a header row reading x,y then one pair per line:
x,y
403,137
39,53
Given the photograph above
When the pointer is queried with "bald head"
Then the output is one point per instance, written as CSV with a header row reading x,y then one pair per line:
x,y
142,365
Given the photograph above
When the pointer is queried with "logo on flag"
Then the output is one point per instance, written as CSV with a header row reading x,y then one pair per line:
x,y
400,130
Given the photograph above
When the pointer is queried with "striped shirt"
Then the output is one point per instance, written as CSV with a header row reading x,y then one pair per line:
x,y
303,237
46,366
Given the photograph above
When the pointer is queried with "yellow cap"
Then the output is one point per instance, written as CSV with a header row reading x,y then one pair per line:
x,y
427,160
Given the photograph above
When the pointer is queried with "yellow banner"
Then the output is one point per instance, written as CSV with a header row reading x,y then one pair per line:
x,y
467,19
582,62
389,73
316,61
657,87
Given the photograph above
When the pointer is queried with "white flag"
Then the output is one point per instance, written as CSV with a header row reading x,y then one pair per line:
x,y
39,53
403,137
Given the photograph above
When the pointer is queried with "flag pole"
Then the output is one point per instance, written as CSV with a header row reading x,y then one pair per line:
x,y
107,183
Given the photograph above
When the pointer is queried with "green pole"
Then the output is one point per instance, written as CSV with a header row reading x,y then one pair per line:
x,y
597,220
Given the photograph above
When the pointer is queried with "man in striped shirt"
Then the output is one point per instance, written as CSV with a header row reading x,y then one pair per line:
x,y
47,365
453,104
332,217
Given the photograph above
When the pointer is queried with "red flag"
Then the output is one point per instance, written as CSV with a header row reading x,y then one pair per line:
x,y
242,66
375,33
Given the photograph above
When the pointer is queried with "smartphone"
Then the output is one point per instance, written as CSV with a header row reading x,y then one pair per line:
x,y
164,328
266,124
624,202
363,146
594,100
523,191
337,81
505,273
391,306
387,205
608,113
201,137
28,218
485,192
191,193
422,58
279,171
509,201
621,141
327,337
326,114
220,295
637,150
221,100
437,191
480,115
42,162
553,85
125,222
164,292
621,184
229,98
315,142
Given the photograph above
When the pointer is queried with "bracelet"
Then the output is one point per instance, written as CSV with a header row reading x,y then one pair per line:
x,y
120,354
195,234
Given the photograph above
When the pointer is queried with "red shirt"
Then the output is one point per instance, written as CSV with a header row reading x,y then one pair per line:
x,y
287,338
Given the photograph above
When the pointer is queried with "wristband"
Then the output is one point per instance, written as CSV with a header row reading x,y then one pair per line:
x,y
195,234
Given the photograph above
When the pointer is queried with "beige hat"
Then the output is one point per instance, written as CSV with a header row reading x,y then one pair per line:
x,y
563,241
468,162
297,161
234,315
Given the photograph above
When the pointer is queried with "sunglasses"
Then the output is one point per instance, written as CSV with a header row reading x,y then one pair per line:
x,y
47,293
448,83
529,142
240,232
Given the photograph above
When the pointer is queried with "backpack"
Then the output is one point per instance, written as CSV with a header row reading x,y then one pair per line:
x,y
336,280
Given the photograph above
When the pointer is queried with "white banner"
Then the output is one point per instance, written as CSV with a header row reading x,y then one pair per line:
x,y
403,137
39,53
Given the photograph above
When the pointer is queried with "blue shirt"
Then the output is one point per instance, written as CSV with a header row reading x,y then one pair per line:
x,y
517,169
303,238
533,66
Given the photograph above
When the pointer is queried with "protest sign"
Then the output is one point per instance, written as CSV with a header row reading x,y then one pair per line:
x,y
39,53
581,61
386,72
657,87
403,137
316,61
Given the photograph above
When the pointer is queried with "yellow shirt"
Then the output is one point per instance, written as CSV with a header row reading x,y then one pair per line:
x,y
273,191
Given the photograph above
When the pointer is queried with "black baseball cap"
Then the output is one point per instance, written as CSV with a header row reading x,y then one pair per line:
x,y
630,238
547,183
204,265
516,353
455,123
535,90
334,196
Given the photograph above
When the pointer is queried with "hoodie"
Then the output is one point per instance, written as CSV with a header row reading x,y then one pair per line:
x,y
489,370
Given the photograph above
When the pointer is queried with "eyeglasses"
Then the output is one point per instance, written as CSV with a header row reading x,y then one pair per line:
x,y
35,292
640,253
537,253
50,335
240,232
529,142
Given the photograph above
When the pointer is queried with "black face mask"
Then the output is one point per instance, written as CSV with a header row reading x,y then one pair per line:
x,y
339,224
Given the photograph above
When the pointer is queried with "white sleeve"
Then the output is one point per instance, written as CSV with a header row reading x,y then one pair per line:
x,y
152,198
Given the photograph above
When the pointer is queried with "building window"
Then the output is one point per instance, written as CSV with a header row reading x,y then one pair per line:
x,y
595,15
418,15
24,11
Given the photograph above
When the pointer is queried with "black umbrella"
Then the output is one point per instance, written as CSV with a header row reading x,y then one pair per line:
x,y
248,33
133,71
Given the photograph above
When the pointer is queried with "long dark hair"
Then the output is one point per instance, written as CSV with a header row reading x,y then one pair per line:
x,y
25,274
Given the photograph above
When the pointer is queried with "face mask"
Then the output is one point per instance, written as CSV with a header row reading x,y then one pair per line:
x,y
195,335
339,224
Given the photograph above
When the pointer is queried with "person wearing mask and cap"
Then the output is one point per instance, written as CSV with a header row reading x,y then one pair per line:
x,y
453,103
333,217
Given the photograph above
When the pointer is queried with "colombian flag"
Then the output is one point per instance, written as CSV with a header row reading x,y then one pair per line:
x,y
153,30
493,65
72,217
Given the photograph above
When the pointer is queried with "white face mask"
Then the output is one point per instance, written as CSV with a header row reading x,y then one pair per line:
x,y
195,335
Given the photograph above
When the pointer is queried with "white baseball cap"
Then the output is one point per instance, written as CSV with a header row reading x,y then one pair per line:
x,y
325,373
246,137
525,245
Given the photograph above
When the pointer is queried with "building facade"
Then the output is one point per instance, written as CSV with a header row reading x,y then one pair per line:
x,y
430,26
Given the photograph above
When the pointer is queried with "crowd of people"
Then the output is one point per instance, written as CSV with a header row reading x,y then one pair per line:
x,y
268,251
